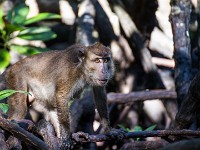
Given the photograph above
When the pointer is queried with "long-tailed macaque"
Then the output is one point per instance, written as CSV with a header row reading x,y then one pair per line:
x,y
54,78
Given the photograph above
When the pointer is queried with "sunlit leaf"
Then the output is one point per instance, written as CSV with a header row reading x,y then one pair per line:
x,y
37,33
34,30
18,14
27,49
6,93
128,130
2,23
137,128
42,16
123,127
4,58
4,34
4,107
44,36
150,128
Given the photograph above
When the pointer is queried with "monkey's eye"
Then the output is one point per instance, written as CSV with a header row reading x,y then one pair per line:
x,y
97,60
106,60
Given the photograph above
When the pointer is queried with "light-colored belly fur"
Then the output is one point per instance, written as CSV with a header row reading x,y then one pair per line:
x,y
43,99
42,91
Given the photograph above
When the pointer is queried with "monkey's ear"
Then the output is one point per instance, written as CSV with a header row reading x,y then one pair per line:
x,y
81,54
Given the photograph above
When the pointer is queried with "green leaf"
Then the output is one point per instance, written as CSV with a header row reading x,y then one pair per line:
x,y
121,126
34,30
18,14
42,16
40,36
4,58
27,49
151,128
128,130
2,23
5,93
137,128
37,33
4,107
11,28
4,35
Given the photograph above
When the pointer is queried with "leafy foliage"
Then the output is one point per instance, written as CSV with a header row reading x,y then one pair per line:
x,y
137,128
37,33
41,16
6,93
151,128
27,50
18,14
14,24
4,107
4,58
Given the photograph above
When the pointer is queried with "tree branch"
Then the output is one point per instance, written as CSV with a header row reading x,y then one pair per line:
x,y
140,96
144,134
22,134
180,17
46,130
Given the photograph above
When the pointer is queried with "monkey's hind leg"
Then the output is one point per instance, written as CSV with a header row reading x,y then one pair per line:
x,y
17,103
65,136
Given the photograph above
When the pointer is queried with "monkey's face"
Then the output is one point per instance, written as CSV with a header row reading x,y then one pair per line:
x,y
99,69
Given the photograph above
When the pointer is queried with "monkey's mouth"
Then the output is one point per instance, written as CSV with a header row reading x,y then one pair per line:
x,y
102,81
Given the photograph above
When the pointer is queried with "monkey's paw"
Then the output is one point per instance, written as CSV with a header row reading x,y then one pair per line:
x,y
66,143
116,134
78,136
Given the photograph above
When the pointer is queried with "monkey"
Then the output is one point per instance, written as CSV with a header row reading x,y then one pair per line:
x,y
55,77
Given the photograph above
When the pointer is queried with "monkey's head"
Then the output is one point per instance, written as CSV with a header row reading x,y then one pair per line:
x,y
98,63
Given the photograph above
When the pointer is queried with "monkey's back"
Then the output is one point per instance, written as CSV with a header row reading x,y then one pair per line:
x,y
46,63
42,72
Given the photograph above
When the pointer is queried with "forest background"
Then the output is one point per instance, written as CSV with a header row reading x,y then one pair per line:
x,y
155,46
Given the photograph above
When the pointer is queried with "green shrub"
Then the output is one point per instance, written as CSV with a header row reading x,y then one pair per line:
x,y
14,24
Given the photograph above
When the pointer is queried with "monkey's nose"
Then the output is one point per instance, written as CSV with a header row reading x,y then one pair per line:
x,y
104,71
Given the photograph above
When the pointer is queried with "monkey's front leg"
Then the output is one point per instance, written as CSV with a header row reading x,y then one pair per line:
x,y
101,104
115,134
65,136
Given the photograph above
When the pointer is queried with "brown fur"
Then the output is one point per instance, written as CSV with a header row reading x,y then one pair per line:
x,y
53,78
99,50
